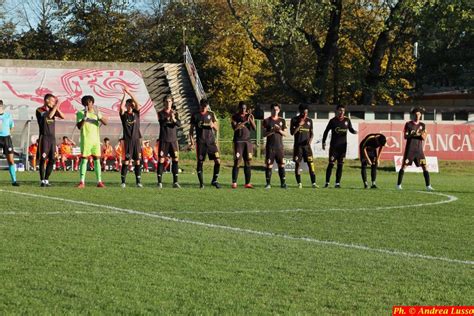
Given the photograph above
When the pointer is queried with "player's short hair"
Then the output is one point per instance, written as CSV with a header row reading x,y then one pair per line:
x,y
204,102
302,107
129,101
47,96
168,97
65,137
275,105
241,104
1,102
418,109
106,139
382,140
85,99
340,106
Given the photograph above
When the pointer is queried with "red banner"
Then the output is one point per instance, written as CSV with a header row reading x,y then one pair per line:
x,y
445,141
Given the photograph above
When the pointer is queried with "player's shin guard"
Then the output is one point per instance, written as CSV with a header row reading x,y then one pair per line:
x,y
248,173
159,172
199,172
123,172
97,170
235,173
268,175
328,172
175,171
339,172
426,175
49,169
138,173
42,168
373,173
12,171
217,168
83,169
281,174
400,176
363,173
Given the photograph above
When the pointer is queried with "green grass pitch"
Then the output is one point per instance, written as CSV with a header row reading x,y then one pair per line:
x,y
191,251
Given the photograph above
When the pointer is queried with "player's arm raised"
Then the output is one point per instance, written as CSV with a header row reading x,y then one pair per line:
x,y
135,101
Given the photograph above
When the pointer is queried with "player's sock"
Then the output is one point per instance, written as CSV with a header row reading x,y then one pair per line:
x,y
248,174
123,172
145,165
159,172
268,175
49,169
297,173
12,171
83,169
363,173
217,168
41,168
400,176
63,163
175,171
138,174
235,173
97,170
199,173
297,176
312,175
281,174
373,173
426,175
328,172
339,172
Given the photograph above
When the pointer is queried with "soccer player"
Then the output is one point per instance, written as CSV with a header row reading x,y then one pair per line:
x,y
107,153
242,123
370,149
414,133
169,123
130,116
46,116
274,130
119,155
88,122
301,127
147,155
6,126
66,153
205,123
32,152
338,125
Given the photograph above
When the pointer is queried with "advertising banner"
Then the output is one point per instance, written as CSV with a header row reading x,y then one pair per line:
x,y
22,90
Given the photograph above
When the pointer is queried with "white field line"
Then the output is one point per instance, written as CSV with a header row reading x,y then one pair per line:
x,y
249,231
58,213
451,198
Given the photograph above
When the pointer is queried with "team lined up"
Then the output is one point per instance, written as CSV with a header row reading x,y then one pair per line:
x,y
202,137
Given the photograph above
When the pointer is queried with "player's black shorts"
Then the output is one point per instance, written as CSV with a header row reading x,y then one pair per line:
x,y
416,157
272,154
6,145
168,148
46,148
243,149
337,153
372,153
132,149
209,149
302,152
